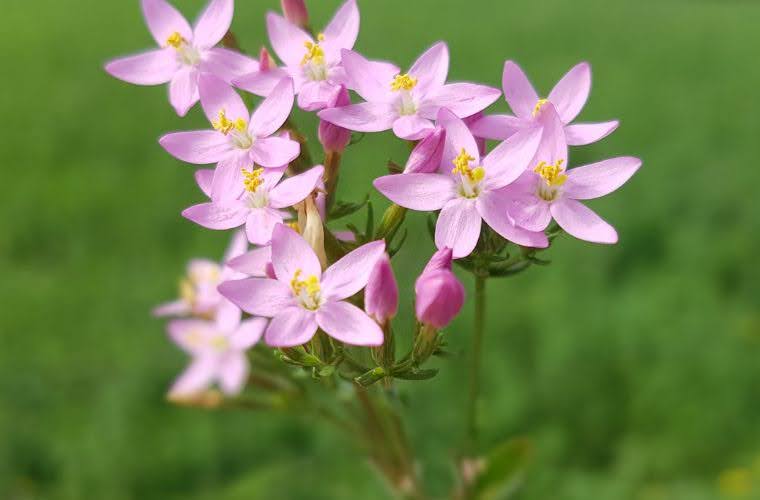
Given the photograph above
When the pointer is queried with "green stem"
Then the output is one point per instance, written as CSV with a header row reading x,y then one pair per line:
x,y
475,360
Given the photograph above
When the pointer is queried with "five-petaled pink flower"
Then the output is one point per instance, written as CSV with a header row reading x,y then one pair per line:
x,y
469,189
314,65
218,350
406,102
548,189
568,97
236,142
184,52
302,298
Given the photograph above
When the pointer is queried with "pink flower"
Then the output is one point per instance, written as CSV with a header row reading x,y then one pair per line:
x,y
439,294
218,350
568,97
296,12
256,263
548,189
198,290
381,294
406,102
257,201
332,137
236,142
469,190
302,298
427,154
314,65
184,53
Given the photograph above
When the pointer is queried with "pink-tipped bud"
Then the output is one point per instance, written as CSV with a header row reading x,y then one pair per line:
x,y
440,260
439,294
332,137
295,11
381,294
265,60
426,155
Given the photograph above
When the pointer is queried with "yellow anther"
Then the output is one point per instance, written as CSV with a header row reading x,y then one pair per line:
x,y
225,125
186,291
554,175
175,40
310,285
540,104
314,53
294,226
403,82
462,167
252,179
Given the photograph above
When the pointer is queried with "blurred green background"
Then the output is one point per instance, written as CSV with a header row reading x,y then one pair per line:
x,y
634,369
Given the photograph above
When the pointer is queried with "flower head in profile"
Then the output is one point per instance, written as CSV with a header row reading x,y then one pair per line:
x,y
548,189
238,141
313,64
184,52
301,298
218,350
381,294
469,189
568,98
406,102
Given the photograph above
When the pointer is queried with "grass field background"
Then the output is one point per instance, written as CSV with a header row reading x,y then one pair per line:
x,y
634,369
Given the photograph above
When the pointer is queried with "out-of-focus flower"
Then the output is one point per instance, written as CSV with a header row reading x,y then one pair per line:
x,y
302,298
471,190
218,350
568,97
314,65
296,12
406,102
439,294
426,155
549,189
333,137
381,294
184,53
237,142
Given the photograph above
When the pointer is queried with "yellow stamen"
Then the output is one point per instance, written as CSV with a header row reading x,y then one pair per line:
x,y
294,226
253,179
403,82
186,291
314,53
462,167
225,125
310,284
540,104
553,175
175,40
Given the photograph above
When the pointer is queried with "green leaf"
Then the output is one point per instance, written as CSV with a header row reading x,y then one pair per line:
x,y
415,374
343,208
503,470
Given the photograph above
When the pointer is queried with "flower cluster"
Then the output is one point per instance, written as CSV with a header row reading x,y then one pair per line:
x,y
498,189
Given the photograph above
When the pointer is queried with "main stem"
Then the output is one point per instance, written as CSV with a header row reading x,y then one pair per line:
x,y
475,361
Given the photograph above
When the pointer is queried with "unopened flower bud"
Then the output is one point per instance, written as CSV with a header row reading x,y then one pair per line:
x,y
440,260
265,60
439,294
381,294
333,137
295,11
313,230
426,155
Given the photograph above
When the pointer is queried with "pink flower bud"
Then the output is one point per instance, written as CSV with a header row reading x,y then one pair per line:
x,y
439,294
295,11
332,137
381,294
265,60
440,260
426,155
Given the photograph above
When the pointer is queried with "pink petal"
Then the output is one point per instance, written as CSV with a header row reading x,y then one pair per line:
x,y
228,316
458,136
273,152
227,64
149,68
598,179
292,327
518,91
423,192
176,308
253,263
260,225
511,158
295,189
529,212
431,69
571,92
248,334
196,378
553,146
237,247
233,373
227,184
213,23
258,296
186,332
183,90
343,29
262,82
580,221
350,274
463,99
458,227
199,147
427,155
370,79
287,39
498,127
217,96
493,209
274,110
217,216
412,127
582,134
163,20
349,324
317,95
291,253
204,178
364,117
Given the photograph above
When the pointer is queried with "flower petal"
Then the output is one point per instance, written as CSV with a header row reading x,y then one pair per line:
x,y
183,90
217,216
292,327
196,378
149,68
571,92
347,323
423,192
274,110
204,177
342,30
253,263
260,225
175,308
227,64
213,23
601,178
498,127
493,208
163,20
412,127
262,82
363,117
463,99
200,147
248,334
287,39
553,146
518,91
258,296
458,227
227,184
274,152
351,273
511,158
186,332
317,95
458,136
218,96
582,134
431,69
529,212
291,253
296,188
581,222
370,79
233,373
